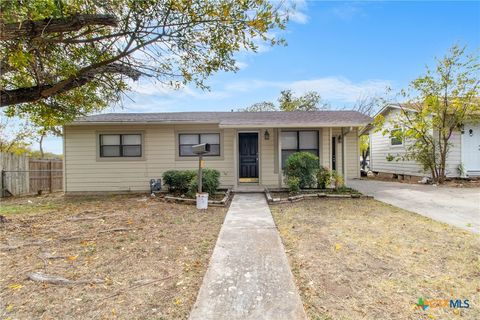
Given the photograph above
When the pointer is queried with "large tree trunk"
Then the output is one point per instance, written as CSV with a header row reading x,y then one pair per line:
x,y
32,94
32,29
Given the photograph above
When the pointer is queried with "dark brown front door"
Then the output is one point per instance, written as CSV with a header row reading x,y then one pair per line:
x,y
334,154
248,151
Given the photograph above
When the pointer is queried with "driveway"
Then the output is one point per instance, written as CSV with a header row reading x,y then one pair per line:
x,y
459,207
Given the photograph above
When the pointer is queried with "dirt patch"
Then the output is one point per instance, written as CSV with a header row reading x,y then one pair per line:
x,y
127,257
362,259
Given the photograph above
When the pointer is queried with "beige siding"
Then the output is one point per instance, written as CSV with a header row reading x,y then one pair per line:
x,y
85,173
268,176
352,156
325,145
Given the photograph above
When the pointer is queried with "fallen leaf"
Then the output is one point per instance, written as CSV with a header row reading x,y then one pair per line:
x,y
72,258
338,246
15,286
9,307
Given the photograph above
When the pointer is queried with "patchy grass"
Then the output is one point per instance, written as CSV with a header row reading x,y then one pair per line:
x,y
150,257
362,259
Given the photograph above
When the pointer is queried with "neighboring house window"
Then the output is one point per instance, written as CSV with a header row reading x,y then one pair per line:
x,y
187,140
296,141
394,141
120,145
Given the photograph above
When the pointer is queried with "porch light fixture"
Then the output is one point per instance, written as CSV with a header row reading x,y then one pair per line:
x,y
339,139
266,135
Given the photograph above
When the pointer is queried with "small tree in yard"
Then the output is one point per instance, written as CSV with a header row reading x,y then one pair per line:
x,y
438,103
364,150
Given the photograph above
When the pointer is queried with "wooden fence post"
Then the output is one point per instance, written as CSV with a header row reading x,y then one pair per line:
x,y
51,178
2,194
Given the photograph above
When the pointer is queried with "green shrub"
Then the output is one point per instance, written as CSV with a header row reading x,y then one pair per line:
x,y
302,165
323,177
293,184
210,182
178,180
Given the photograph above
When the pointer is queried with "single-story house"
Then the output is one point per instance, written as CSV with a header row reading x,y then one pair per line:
x,y
119,152
464,150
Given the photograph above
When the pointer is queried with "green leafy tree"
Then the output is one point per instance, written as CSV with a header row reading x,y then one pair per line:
x,y
61,59
15,137
437,105
260,107
364,149
310,101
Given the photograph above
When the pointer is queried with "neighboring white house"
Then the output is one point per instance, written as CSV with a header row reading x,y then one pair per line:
x,y
384,149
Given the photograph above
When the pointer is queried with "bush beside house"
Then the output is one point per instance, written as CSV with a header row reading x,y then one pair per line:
x,y
301,165
185,181
302,171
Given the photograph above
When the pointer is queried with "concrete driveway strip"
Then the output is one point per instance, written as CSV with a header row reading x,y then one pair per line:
x,y
459,207
249,276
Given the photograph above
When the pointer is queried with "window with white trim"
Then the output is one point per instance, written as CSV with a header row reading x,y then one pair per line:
x,y
120,145
187,140
298,141
394,140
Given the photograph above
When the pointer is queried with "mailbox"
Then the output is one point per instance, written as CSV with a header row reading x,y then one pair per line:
x,y
201,148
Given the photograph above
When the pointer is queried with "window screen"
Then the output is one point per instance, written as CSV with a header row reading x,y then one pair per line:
x,y
120,145
187,140
299,141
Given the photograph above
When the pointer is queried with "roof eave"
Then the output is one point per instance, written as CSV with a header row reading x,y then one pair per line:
x,y
292,125
94,123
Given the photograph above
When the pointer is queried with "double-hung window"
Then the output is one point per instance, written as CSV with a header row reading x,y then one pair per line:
x,y
298,141
187,140
120,145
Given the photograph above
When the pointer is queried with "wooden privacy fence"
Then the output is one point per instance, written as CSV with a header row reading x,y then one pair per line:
x,y
23,175
45,175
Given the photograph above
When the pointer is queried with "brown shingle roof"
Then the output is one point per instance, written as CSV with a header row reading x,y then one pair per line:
x,y
236,119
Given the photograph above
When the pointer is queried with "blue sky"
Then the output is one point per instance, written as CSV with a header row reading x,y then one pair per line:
x,y
343,50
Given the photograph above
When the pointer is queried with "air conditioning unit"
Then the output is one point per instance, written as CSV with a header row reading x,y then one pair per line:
x,y
155,185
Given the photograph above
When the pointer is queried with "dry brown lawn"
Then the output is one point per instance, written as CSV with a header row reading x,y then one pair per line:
x,y
130,257
362,259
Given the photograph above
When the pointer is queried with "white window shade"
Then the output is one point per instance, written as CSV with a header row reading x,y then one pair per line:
x,y
308,140
189,139
131,139
111,139
289,140
213,138
111,151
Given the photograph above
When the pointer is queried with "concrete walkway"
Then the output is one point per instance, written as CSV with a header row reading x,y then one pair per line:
x,y
248,276
459,207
